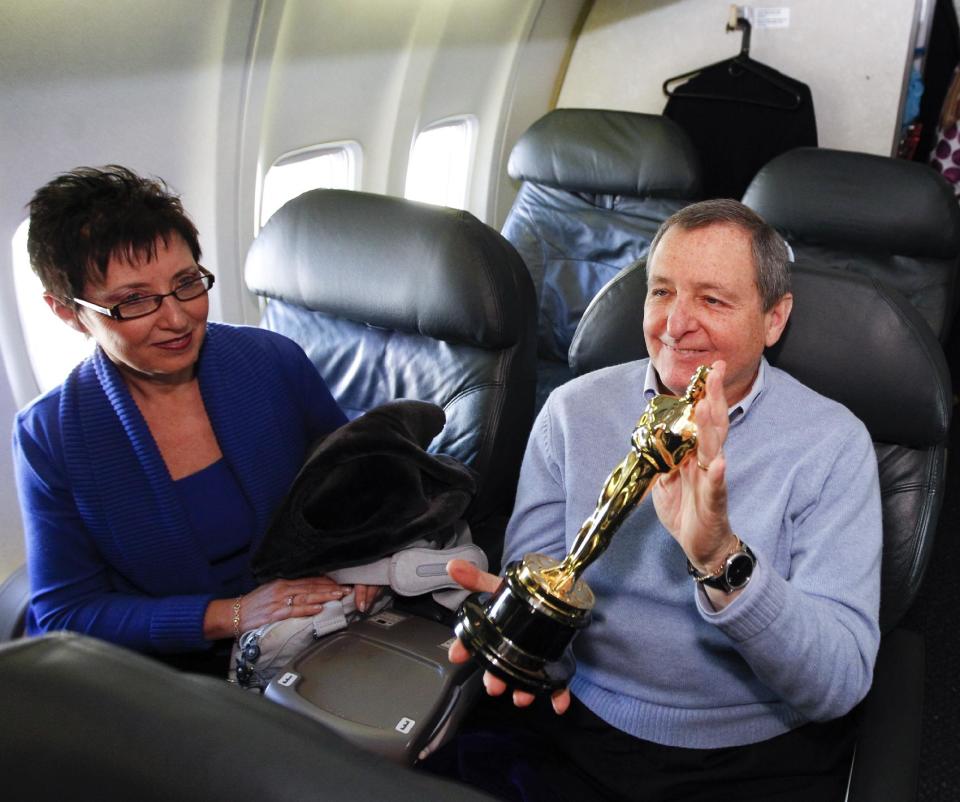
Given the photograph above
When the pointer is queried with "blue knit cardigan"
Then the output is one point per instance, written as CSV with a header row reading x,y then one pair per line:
x,y
110,549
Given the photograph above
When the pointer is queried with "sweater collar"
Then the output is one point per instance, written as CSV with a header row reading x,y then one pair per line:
x,y
239,399
651,387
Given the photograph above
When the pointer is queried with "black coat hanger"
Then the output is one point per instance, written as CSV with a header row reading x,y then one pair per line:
x,y
736,66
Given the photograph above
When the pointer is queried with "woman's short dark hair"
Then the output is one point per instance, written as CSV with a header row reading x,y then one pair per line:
x,y
83,219
771,258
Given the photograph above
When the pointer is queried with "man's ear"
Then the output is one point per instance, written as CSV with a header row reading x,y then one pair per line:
x,y
64,311
775,319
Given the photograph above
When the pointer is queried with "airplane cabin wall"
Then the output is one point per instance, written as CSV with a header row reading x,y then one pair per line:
x,y
154,86
11,547
853,55
378,73
208,95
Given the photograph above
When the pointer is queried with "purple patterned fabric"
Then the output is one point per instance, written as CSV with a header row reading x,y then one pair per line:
x,y
945,158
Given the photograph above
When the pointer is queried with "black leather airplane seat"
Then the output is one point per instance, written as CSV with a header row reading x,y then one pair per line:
x,y
860,342
83,719
894,220
596,186
393,299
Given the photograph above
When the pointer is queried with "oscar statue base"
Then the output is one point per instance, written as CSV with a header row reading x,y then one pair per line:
x,y
521,632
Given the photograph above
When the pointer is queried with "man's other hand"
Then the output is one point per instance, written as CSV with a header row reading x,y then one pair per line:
x,y
469,577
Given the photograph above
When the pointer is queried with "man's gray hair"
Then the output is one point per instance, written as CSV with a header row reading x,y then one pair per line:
x,y
770,256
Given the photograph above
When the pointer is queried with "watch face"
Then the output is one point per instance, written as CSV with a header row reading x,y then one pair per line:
x,y
739,570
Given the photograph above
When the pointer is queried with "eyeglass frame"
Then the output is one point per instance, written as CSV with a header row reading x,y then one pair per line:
x,y
116,313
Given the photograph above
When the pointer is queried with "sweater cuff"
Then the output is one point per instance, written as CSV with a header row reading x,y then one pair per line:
x,y
177,625
755,609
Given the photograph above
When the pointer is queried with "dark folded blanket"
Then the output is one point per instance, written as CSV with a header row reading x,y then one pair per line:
x,y
365,491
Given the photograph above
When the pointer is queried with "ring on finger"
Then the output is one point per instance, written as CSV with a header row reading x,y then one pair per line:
x,y
701,466
289,601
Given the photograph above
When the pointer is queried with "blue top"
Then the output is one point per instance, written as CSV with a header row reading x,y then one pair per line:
x,y
224,524
797,644
111,549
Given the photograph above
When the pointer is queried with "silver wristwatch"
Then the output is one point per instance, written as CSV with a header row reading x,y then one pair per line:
x,y
735,572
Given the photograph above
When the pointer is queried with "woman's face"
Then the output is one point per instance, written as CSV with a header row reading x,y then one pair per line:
x,y
163,346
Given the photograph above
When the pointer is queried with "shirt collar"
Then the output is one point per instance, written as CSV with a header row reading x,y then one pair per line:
x,y
737,411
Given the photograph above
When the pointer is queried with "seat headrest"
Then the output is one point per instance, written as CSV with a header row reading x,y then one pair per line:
x,y
608,152
849,338
392,264
858,201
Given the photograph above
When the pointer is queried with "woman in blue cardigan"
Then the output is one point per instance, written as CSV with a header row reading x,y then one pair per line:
x,y
147,477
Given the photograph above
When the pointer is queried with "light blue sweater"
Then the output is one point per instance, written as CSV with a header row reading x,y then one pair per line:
x,y
800,641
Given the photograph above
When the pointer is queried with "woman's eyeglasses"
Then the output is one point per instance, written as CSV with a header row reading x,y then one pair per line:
x,y
148,304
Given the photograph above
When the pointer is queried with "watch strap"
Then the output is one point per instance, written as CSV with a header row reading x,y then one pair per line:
x,y
722,579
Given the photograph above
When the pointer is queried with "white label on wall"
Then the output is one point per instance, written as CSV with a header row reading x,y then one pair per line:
x,y
771,18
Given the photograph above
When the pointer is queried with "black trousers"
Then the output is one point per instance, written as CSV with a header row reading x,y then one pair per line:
x,y
533,755
214,662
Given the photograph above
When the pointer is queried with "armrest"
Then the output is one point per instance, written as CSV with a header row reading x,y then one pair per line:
x,y
14,597
887,760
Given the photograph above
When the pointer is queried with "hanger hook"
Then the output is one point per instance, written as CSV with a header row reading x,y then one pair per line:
x,y
741,23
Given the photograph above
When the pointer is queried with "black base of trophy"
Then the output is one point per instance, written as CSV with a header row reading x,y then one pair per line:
x,y
520,633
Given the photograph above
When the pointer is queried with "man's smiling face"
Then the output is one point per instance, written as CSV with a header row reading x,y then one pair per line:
x,y
703,304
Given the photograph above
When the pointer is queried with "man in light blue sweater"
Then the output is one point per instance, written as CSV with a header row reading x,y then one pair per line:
x,y
693,679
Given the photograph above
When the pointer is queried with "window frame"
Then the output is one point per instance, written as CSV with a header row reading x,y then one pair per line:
x,y
350,147
470,124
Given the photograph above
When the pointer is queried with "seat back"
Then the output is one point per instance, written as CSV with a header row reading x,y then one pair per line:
x,y
393,299
84,719
859,342
892,220
596,186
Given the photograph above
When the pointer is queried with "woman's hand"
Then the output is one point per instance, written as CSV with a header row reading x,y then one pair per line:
x,y
288,598
273,601
364,596
469,577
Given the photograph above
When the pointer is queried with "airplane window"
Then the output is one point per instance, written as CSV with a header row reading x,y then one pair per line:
x,y
331,166
53,348
440,162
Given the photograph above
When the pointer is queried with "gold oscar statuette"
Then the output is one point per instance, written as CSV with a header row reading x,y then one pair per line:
x,y
520,632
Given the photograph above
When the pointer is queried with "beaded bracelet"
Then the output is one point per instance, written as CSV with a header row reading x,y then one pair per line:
x,y
236,618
